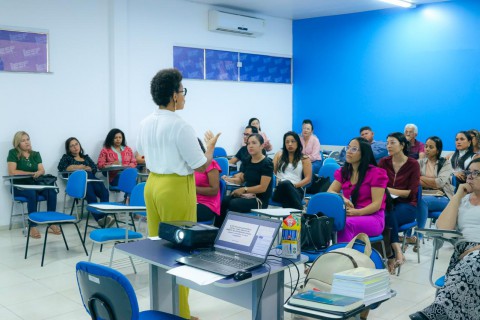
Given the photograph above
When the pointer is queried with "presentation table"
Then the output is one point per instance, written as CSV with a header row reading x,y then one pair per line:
x,y
161,256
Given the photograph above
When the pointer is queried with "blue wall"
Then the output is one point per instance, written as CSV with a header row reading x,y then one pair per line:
x,y
387,68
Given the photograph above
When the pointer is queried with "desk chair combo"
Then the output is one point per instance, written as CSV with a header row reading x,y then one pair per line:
x,y
223,191
126,182
76,188
22,201
108,295
219,152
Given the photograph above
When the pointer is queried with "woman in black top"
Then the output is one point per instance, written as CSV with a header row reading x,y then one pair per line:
x,y
256,178
75,159
463,155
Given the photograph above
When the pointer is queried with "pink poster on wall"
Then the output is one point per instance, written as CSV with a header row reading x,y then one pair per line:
x,y
23,51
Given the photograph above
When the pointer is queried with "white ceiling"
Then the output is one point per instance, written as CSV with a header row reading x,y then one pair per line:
x,y
303,9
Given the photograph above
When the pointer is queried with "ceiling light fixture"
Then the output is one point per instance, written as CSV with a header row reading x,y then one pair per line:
x,y
401,3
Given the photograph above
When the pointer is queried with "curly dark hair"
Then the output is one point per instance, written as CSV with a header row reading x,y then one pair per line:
x,y
108,143
164,84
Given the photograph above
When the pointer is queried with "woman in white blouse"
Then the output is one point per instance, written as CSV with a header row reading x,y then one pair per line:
x,y
311,145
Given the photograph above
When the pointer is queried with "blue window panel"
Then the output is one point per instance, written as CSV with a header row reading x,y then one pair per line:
x,y
221,65
262,68
189,61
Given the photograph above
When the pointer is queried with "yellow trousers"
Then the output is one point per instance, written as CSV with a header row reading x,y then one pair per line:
x,y
170,197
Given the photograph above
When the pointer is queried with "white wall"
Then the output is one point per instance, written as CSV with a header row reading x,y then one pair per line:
x,y
103,55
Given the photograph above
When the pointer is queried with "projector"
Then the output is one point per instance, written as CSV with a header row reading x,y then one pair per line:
x,y
188,234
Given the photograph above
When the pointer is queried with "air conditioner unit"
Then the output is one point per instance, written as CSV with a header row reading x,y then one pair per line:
x,y
220,21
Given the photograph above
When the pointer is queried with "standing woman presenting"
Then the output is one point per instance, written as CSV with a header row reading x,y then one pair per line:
x,y
172,153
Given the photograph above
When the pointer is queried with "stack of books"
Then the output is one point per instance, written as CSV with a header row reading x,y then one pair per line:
x,y
370,285
325,302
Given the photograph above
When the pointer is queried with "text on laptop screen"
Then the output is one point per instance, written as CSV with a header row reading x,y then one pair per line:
x,y
247,235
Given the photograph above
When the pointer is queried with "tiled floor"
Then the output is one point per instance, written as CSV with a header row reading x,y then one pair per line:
x,y
28,291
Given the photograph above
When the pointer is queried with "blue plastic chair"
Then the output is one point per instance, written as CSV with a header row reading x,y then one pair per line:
x,y
331,205
434,215
137,198
223,191
219,152
108,295
328,169
329,160
126,183
76,188
224,166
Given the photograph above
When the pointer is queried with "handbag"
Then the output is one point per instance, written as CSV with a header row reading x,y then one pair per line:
x,y
319,184
46,180
316,232
320,275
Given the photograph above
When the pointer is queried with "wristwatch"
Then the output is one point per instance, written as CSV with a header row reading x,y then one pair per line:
x,y
245,189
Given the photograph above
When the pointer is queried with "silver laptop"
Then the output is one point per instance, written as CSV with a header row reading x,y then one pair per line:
x,y
243,243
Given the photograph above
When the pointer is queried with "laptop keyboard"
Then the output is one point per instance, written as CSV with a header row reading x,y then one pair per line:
x,y
224,260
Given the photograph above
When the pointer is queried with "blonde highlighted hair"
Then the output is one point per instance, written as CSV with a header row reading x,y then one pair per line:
x,y
17,139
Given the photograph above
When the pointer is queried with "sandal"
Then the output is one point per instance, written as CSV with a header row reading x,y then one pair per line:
x,y
55,230
400,262
34,233
412,240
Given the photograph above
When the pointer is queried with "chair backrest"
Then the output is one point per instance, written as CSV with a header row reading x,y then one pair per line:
x,y
219,152
77,184
127,180
331,205
223,189
224,166
328,169
375,256
137,196
105,292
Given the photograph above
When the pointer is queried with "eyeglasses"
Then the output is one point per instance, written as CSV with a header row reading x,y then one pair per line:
x,y
184,91
352,149
474,173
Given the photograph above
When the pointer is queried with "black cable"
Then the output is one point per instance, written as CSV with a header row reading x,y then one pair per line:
x,y
263,289
291,280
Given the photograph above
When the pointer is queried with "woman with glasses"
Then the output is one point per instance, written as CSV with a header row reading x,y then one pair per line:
x,y
115,152
462,155
403,181
475,134
254,122
22,160
311,145
363,191
75,159
459,298
293,171
172,154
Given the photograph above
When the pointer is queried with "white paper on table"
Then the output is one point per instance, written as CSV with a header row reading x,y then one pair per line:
x,y
155,238
198,276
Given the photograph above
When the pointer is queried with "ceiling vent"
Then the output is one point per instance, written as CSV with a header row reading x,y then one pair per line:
x,y
220,21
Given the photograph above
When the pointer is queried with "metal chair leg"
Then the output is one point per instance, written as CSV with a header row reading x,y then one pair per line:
x,y
111,256
44,246
28,240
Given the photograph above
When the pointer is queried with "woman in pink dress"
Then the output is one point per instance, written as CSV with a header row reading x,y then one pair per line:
x,y
363,185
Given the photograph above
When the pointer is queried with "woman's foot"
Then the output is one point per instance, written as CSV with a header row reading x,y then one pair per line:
x,y
34,233
400,261
391,266
55,230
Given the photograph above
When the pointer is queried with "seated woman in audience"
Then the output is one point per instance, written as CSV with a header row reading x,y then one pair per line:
x,y
462,155
311,145
116,152
293,171
363,187
75,159
475,134
242,153
254,122
208,190
459,297
256,176
435,175
403,180
22,160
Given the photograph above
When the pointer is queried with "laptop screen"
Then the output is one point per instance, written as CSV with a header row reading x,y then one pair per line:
x,y
247,234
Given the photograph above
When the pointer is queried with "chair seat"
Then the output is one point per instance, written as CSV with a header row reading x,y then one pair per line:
x,y
434,214
376,238
157,315
407,226
111,234
114,189
50,217
440,281
23,199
